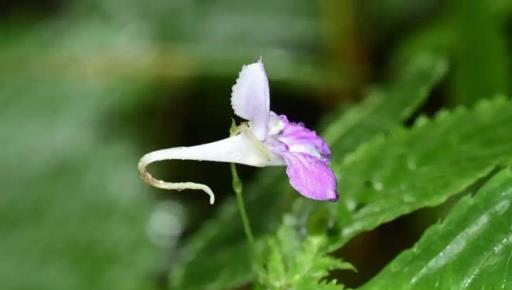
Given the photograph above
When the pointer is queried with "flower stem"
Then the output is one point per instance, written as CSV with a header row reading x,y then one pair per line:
x,y
237,187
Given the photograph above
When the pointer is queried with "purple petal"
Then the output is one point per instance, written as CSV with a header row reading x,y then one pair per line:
x,y
301,139
311,176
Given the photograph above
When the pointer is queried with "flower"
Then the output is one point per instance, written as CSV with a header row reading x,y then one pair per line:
x,y
267,139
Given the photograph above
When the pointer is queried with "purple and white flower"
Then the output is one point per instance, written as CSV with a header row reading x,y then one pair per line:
x,y
267,139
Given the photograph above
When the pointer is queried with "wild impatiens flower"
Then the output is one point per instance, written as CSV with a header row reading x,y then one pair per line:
x,y
267,139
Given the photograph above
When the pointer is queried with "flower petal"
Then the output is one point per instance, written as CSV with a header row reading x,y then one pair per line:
x,y
241,148
301,139
311,176
250,98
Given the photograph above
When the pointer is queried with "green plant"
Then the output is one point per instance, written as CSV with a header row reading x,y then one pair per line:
x,y
87,86
383,176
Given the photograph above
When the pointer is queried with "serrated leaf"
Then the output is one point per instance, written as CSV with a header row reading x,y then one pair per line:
x,y
424,165
221,241
471,249
295,261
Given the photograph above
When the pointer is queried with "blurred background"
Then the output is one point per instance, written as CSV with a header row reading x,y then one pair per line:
x,y
88,86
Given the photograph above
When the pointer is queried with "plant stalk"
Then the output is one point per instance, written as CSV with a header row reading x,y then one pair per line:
x,y
237,187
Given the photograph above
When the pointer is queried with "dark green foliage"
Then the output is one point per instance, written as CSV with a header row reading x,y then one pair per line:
x,y
88,86
471,249
272,194
424,165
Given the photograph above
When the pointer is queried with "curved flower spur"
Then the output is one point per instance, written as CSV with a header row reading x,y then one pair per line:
x,y
267,139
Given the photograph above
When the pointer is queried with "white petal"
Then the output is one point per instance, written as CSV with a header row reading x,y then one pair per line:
x,y
250,98
243,148
240,149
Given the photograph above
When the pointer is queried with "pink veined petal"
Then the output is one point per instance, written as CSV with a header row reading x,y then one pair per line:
x,y
250,98
301,139
311,176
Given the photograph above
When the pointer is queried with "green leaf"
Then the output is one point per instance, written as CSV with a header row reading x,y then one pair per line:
x,y
474,34
295,261
423,166
471,249
385,107
481,46
221,241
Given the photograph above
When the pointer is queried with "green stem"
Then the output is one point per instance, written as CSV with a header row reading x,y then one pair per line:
x,y
237,187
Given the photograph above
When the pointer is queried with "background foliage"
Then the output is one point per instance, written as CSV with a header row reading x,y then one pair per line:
x,y
412,97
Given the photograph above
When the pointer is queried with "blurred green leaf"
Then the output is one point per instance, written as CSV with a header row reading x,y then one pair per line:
x,y
385,107
481,47
471,249
73,212
473,34
221,242
424,165
438,36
